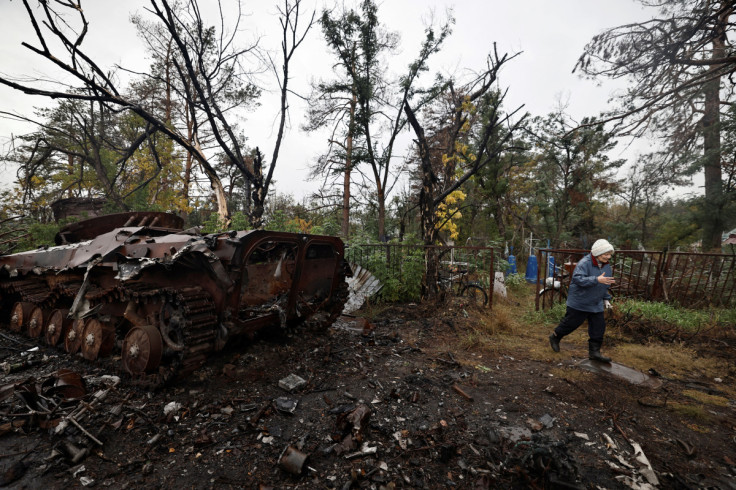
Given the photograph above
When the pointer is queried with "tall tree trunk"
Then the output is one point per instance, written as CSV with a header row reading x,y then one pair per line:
x,y
248,197
346,193
258,193
429,234
189,159
70,169
499,218
381,196
348,169
713,213
713,219
426,208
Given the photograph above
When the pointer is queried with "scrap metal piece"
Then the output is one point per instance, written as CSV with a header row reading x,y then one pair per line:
x,y
292,460
285,405
361,286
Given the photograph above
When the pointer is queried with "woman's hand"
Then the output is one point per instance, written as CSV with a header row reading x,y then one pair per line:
x,y
606,280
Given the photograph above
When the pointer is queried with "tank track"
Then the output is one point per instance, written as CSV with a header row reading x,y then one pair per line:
x,y
189,340
196,330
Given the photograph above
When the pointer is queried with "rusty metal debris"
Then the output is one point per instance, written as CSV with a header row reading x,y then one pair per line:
x,y
462,393
350,424
57,402
292,460
162,299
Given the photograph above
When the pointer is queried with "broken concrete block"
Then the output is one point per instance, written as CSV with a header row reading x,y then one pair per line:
x,y
292,382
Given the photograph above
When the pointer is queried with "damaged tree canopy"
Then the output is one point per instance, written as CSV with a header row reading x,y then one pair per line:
x,y
165,298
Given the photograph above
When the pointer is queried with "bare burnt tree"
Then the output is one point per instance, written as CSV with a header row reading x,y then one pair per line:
x,y
293,35
206,58
490,143
206,86
681,66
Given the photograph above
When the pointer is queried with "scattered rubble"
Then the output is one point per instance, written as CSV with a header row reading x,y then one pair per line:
x,y
397,407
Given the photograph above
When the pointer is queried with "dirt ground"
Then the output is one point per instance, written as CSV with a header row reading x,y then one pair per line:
x,y
401,404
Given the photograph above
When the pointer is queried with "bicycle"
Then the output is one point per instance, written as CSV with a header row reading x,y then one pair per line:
x,y
457,281
555,287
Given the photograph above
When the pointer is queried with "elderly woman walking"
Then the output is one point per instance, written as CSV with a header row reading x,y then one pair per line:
x,y
587,298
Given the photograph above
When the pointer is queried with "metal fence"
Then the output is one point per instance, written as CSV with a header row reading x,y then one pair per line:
x,y
403,266
693,280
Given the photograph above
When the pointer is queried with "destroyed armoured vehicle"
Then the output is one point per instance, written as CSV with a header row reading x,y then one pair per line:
x,y
137,287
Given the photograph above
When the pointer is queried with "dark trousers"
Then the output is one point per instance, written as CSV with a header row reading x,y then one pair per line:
x,y
574,318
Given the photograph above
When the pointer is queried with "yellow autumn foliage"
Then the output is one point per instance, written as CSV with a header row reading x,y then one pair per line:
x,y
302,225
447,212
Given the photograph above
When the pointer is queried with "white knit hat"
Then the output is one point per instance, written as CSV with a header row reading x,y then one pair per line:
x,y
600,247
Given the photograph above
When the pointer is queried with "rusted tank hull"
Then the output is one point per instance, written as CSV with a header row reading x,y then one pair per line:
x,y
165,299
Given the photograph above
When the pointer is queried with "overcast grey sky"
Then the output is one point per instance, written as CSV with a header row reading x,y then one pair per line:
x,y
549,34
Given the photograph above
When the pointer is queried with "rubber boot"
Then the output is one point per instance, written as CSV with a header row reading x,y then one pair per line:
x,y
594,352
554,342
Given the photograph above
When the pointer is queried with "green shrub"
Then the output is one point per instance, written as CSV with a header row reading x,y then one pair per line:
x,y
213,224
548,316
678,316
515,281
402,279
279,221
239,221
36,235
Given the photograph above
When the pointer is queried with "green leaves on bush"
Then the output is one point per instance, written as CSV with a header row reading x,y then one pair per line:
x,y
681,317
400,269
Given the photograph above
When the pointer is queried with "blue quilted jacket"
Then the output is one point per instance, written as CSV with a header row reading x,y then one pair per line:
x,y
586,293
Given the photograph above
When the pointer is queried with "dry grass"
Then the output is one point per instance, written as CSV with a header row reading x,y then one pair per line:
x,y
513,327
492,331
670,360
705,398
503,319
571,374
694,412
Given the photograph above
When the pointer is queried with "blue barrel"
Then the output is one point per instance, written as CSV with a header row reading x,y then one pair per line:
x,y
550,266
511,269
531,269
